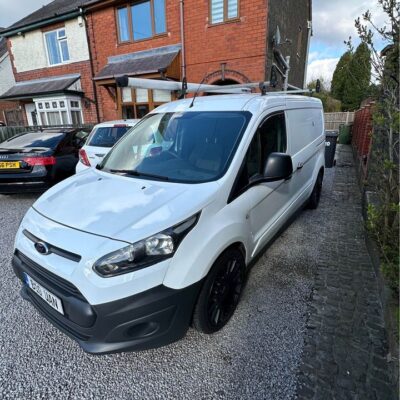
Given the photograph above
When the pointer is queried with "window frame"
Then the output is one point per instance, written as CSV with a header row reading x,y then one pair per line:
x,y
236,192
59,40
129,6
65,108
225,19
134,103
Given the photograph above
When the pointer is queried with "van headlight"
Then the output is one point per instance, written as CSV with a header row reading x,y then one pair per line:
x,y
146,252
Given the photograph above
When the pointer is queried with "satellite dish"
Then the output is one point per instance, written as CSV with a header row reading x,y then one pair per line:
x,y
277,37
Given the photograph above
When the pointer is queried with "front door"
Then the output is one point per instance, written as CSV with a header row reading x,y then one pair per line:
x,y
31,114
264,202
273,197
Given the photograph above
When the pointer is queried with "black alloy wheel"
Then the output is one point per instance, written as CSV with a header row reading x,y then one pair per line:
x,y
221,292
316,193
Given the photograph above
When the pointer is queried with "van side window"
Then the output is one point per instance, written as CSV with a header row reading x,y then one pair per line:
x,y
270,137
273,136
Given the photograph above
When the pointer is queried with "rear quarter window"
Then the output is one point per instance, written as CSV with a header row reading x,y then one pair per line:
x,y
106,136
305,126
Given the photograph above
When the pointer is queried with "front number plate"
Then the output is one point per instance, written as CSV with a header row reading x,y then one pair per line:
x,y
49,298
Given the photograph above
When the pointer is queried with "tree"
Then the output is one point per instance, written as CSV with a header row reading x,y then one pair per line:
x,y
341,75
383,174
355,88
329,103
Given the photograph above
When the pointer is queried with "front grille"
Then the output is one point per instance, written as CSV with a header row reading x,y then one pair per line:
x,y
53,249
51,279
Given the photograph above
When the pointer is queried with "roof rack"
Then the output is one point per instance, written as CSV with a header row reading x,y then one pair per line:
x,y
243,88
281,67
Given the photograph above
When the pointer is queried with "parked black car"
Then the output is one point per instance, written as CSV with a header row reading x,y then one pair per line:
x,y
34,161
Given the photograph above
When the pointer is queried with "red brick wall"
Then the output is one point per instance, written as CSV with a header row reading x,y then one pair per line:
x,y
241,45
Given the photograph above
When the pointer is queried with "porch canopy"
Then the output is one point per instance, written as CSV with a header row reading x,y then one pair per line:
x,y
158,62
64,84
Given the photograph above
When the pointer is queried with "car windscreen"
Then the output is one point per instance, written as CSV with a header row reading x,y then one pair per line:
x,y
190,147
106,136
48,140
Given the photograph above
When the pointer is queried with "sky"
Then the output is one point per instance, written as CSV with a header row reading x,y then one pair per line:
x,y
333,23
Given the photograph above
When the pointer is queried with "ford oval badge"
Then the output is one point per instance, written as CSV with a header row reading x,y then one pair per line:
x,y
42,248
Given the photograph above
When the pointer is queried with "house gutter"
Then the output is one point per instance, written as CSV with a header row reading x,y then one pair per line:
x,y
40,24
94,88
182,6
307,52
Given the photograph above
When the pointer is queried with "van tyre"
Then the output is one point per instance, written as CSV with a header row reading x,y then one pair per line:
x,y
221,292
316,193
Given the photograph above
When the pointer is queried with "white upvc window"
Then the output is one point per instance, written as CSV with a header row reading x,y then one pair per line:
x,y
57,46
62,110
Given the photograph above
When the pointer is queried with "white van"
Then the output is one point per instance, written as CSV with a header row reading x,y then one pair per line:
x,y
160,235
101,140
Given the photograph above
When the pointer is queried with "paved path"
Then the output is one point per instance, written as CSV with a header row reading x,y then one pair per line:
x,y
345,346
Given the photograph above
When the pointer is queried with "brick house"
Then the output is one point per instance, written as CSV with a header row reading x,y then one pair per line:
x,y
215,41
67,55
51,64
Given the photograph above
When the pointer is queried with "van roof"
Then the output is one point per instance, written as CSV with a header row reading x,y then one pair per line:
x,y
239,102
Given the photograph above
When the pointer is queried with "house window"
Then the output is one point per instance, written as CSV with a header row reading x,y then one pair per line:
x,y
123,24
57,46
64,111
136,103
141,20
223,10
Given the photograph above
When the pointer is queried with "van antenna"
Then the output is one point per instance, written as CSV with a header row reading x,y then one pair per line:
x,y
197,91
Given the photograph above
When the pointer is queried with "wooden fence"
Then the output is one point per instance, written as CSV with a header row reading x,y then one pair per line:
x,y
334,120
9,131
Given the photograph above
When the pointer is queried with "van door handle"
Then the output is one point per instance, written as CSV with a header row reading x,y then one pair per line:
x,y
300,165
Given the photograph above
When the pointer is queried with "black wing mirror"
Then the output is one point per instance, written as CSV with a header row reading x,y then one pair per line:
x,y
278,167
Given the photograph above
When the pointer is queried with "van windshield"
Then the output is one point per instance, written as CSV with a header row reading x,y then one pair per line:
x,y
190,147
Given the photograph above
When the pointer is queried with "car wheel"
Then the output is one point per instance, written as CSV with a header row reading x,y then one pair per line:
x,y
221,292
316,193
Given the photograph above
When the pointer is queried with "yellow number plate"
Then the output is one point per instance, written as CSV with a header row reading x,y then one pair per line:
x,y
9,164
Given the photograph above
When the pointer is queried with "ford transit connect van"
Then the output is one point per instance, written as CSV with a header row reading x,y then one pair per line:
x,y
160,235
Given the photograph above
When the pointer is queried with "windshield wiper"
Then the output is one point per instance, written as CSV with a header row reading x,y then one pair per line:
x,y
133,172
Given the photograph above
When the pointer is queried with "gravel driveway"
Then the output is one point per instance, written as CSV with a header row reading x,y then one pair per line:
x,y
254,357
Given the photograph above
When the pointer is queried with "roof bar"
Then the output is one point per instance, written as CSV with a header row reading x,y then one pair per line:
x,y
125,81
143,83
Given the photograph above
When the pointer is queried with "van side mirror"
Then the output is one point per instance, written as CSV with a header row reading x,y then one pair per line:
x,y
278,166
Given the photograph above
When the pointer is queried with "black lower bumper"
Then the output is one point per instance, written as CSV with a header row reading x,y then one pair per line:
x,y
154,318
24,187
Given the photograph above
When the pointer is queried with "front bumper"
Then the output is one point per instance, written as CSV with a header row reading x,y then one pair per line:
x,y
150,319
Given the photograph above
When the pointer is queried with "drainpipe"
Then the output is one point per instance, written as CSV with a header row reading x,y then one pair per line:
x,y
309,23
91,67
182,4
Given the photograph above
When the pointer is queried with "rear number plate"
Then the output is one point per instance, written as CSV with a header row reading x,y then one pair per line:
x,y
49,298
9,165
